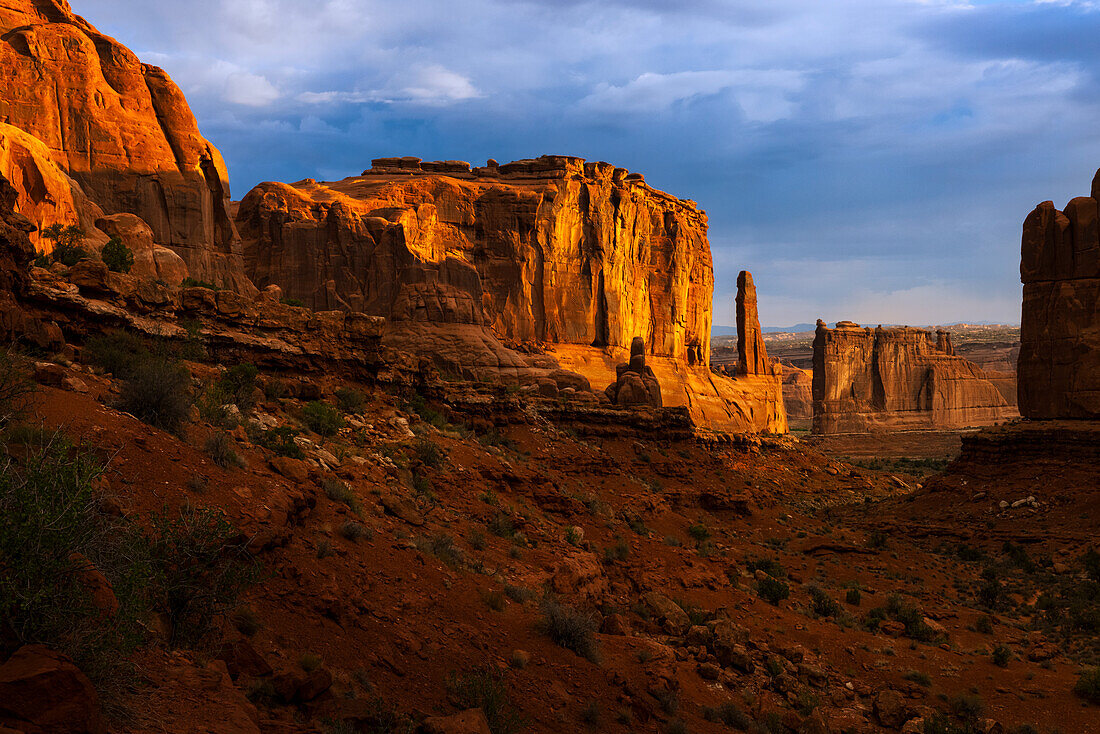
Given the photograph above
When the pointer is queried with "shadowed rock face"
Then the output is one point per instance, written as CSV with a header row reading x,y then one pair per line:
x,y
752,355
1059,365
87,130
549,250
895,379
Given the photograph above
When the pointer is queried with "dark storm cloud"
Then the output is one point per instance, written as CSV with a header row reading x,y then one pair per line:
x,y
868,159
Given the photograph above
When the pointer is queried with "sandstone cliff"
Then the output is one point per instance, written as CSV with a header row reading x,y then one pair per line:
x,y
797,392
553,254
895,379
87,130
1059,365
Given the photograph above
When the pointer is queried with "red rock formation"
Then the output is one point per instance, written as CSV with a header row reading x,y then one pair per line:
x,y
752,355
88,130
576,257
1059,366
893,379
549,250
797,392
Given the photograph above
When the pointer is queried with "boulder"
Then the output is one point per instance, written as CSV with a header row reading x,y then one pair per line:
x,y
42,689
637,385
471,721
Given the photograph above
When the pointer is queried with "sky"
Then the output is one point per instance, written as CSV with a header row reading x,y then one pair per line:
x,y
869,160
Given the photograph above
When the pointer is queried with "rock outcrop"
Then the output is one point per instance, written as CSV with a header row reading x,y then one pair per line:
x,y
798,392
635,383
752,355
87,131
548,250
895,379
1059,366
491,271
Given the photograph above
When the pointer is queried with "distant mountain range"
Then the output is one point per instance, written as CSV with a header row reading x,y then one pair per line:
x,y
797,328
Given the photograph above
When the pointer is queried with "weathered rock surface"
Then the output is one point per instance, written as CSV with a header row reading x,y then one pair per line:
x,y
42,691
547,250
752,355
635,382
1059,366
798,396
892,379
88,130
576,257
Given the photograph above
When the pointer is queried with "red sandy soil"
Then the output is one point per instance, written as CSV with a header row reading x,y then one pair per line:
x,y
388,620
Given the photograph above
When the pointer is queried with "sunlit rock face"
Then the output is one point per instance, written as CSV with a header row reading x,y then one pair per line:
x,y
571,257
897,379
1059,364
89,131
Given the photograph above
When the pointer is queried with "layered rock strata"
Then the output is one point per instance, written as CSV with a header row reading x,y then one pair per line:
x,y
493,270
1059,365
897,379
88,131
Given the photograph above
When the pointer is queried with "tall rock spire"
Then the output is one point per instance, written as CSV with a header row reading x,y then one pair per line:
x,y
752,355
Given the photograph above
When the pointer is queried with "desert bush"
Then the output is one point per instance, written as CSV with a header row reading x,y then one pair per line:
x,y
443,547
219,448
68,243
157,391
237,385
279,440
616,552
502,526
769,566
1088,686
355,531
338,491
493,599
350,400
772,590
570,628
484,688
967,707
322,418
853,596
117,352
190,282
1091,561
518,594
984,624
699,532
728,714
15,388
52,526
921,679
246,621
428,453
116,256
201,566
1001,656
822,604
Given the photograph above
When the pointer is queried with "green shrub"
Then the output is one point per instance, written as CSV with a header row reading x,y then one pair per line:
x,y
443,547
355,531
484,688
338,491
201,566
428,453
293,302
616,552
921,679
822,604
1088,686
190,282
772,590
51,525
984,624
68,243
570,628
698,532
158,392
350,400
1001,656
237,385
853,597
15,388
117,352
278,440
769,566
219,448
967,707
116,256
728,714
322,418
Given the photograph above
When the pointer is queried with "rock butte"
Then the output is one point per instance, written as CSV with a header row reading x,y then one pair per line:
x,y
1059,365
897,379
88,132
555,255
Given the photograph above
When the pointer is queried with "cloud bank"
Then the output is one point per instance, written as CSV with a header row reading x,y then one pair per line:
x,y
867,159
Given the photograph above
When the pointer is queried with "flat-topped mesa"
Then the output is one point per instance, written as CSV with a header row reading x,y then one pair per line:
x,y
88,131
552,250
1059,365
569,258
897,379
